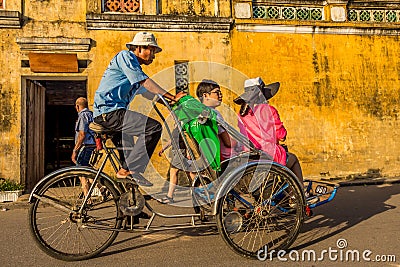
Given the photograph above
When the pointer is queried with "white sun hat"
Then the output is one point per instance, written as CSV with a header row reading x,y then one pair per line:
x,y
256,92
145,39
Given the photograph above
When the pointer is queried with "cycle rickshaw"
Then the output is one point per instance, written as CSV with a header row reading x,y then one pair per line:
x,y
255,202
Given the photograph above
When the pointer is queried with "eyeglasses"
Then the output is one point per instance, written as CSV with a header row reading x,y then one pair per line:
x,y
218,92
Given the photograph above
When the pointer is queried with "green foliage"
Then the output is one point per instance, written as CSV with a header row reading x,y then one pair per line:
x,y
9,185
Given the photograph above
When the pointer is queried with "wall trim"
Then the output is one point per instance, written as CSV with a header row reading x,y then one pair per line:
x,y
10,19
304,29
54,44
170,23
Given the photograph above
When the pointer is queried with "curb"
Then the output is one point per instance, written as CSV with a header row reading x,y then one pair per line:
x,y
22,202
375,181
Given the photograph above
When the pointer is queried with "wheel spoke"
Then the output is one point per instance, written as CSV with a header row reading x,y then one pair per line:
x,y
273,218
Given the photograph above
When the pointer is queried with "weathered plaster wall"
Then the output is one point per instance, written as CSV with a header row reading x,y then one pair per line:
x,y
55,18
339,96
196,7
42,19
10,107
10,101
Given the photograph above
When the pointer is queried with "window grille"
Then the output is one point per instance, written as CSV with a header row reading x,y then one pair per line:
x,y
126,6
287,13
377,15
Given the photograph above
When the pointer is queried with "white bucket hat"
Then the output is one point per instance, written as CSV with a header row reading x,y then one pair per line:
x,y
145,39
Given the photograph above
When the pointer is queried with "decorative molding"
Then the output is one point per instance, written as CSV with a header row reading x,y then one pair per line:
x,y
373,3
129,6
374,15
304,29
265,11
182,76
54,44
157,23
242,10
292,2
338,13
337,2
10,19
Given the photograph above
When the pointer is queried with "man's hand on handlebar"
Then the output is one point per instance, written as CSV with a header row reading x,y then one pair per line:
x,y
172,99
177,97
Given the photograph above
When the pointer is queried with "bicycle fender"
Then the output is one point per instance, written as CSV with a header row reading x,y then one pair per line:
x,y
233,177
47,178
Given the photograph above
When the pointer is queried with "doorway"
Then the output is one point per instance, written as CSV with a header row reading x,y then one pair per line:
x,y
50,118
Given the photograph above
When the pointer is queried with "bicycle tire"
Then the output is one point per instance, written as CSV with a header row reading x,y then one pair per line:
x,y
65,236
273,220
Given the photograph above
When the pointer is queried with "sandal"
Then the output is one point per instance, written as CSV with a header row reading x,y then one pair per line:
x,y
166,200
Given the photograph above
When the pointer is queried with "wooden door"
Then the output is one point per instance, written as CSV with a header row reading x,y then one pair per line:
x,y
35,131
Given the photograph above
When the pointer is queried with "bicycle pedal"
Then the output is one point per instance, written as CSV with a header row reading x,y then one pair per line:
x,y
131,203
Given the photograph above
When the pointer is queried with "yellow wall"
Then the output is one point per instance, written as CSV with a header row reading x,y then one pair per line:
x,y
196,7
10,107
44,19
339,95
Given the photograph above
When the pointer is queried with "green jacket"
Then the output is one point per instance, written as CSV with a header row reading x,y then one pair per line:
x,y
187,109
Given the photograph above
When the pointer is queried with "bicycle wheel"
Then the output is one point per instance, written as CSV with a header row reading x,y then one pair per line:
x,y
263,212
57,226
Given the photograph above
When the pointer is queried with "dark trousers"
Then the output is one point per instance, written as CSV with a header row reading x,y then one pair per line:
x,y
130,124
84,155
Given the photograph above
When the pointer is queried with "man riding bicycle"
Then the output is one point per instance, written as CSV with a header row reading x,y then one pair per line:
x,y
121,82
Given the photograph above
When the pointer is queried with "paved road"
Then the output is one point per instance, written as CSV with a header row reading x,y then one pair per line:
x,y
366,217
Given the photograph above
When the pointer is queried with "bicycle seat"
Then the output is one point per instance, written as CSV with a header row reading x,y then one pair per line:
x,y
99,129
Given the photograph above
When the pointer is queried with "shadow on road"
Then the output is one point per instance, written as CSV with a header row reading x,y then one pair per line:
x,y
351,206
141,239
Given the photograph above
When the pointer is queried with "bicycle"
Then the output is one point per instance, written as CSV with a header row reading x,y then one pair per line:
x,y
255,202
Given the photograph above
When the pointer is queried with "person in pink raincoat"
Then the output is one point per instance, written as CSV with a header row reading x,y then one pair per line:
x,y
261,123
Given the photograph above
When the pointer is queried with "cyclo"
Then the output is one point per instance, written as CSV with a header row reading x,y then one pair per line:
x,y
254,201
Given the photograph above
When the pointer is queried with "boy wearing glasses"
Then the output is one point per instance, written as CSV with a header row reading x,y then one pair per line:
x,y
209,93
